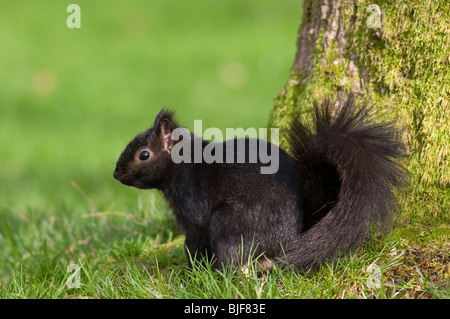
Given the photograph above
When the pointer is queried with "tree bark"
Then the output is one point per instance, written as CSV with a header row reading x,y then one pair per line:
x,y
395,55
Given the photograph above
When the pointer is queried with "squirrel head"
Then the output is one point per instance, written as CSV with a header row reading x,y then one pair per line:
x,y
146,160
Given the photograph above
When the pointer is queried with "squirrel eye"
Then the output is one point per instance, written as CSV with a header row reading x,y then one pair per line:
x,y
144,155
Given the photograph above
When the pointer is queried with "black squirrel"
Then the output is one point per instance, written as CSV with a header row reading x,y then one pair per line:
x,y
320,203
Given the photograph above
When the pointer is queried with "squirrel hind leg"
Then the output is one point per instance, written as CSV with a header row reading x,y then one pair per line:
x,y
261,265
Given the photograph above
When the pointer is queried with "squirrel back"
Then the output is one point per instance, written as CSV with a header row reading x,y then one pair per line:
x,y
320,203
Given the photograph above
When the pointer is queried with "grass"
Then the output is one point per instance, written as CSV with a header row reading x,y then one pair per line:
x,y
70,100
140,254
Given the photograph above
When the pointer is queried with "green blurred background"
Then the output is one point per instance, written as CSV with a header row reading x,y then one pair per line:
x,y
71,99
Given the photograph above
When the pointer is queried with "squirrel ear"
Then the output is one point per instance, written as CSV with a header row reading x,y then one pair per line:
x,y
165,124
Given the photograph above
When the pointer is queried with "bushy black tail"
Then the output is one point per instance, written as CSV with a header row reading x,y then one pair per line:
x,y
347,163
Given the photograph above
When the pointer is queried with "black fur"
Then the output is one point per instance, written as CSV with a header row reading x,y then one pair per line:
x,y
348,170
321,202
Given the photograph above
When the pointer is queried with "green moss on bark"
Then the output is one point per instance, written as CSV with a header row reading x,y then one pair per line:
x,y
405,72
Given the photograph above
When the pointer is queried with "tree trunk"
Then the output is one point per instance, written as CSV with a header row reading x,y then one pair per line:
x,y
395,54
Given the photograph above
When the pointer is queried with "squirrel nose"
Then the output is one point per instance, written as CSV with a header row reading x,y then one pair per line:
x,y
116,174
